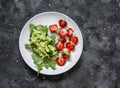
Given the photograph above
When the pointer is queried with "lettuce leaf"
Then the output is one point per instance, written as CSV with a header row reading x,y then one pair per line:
x,y
42,46
43,63
44,29
28,46
32,27
53,39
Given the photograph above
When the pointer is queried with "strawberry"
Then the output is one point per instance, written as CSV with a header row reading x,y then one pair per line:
x,y
74,39
62,23
69,32
59,46
70,46
62,39
61,61
65,53
63,33
53,28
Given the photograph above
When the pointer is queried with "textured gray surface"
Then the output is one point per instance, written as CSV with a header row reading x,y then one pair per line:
x,y
99,66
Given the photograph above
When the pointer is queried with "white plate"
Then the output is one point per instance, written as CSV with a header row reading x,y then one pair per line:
x,y
48,18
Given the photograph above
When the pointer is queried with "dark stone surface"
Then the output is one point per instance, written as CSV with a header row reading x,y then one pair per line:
x,y
99,66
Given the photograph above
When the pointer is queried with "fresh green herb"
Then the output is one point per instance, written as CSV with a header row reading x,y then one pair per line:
x,y
42,46
44,29
28,46
49,63
46,64
53,39
32,27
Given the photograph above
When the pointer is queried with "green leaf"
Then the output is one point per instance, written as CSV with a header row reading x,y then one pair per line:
x,y
36,50
35,58
44,29
28,46
38,62
49,63
32,27
39,68
42,46
46,63
53,39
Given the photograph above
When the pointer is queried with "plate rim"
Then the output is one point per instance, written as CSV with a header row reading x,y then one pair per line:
x,y
49,12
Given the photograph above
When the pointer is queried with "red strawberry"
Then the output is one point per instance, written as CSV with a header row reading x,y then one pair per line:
x,y
59,46
53,28
61,61
62,39
69,32
63,33
65,53
62,23
70,46
74,39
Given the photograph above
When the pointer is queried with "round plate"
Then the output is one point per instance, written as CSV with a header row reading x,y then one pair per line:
x,y
48,18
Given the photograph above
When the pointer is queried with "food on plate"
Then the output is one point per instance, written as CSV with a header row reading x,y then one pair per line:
x,y
70,45
62,39
65,53
49,49
62,32
53,28
69,32
42,46
61,61
62,23
59,46
74,39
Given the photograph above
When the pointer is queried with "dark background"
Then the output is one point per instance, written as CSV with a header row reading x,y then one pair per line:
x,y
99,66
